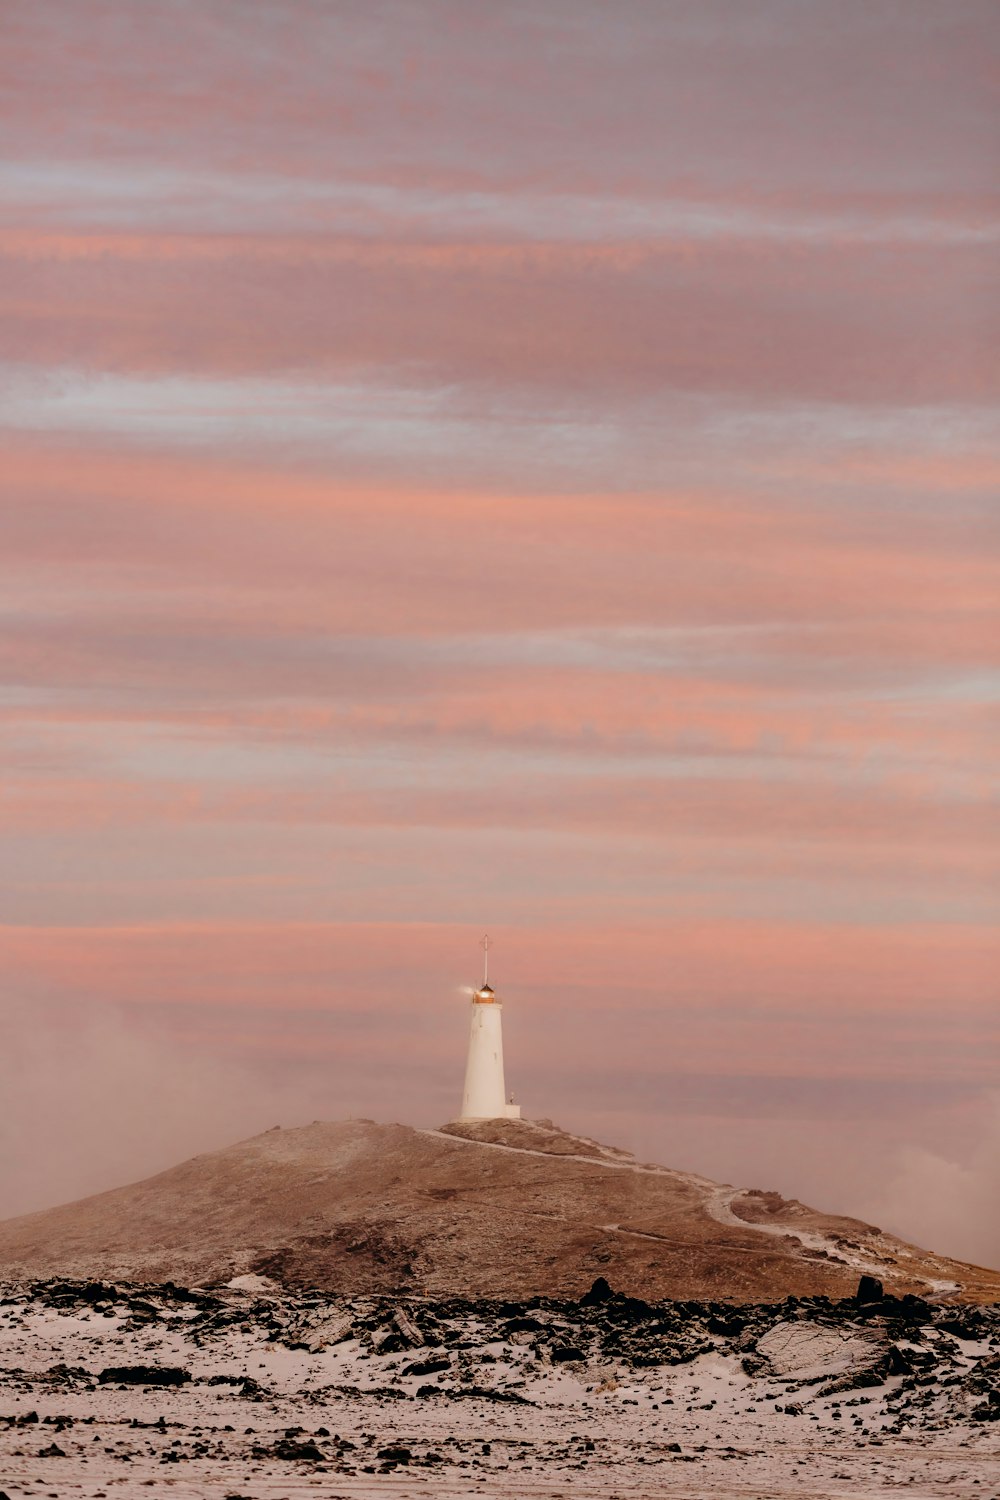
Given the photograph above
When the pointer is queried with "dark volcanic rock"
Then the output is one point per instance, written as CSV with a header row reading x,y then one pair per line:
x,y
942,1362
67,1374
599,1292
965,1323
485,1394
292,1448
144,1375
428,1366
869,1290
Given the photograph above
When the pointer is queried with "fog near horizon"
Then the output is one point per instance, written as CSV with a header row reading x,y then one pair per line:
x,y
97,1104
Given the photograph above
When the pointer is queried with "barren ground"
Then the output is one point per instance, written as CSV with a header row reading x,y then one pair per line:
x,y
497,1208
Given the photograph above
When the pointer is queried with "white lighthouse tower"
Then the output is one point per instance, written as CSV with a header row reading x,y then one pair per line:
x,y
484,1097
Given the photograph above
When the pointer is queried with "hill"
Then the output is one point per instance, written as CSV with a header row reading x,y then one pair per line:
x,y
493,1208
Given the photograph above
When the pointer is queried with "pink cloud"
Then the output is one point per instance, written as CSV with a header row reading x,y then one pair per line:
x,y
364,559
936,972
820,322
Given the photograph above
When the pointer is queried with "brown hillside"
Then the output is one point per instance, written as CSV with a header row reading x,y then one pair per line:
x,y
492,1208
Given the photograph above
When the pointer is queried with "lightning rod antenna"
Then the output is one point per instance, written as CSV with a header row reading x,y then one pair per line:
x,y
486,945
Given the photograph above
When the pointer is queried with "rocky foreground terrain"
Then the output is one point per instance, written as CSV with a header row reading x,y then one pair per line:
x,y
490,1209
355,1309
252,1390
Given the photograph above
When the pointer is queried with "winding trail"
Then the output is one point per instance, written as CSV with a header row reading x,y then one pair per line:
x,y
718,1205
588,1161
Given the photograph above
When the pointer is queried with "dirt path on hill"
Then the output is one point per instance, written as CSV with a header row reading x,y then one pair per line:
x,y
718,1205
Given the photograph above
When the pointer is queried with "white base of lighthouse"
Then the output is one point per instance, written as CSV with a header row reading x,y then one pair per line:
x,y
485,1097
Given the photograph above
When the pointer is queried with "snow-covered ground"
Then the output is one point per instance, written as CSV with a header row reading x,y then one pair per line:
x,y
503,1414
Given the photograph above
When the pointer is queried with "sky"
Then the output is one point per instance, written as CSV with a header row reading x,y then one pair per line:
x,y
517,467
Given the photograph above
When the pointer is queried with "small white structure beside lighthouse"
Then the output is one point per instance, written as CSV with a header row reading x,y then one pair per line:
x,y
485,1097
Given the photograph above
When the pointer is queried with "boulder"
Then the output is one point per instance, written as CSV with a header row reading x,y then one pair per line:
x,y
408,1330
293,1449
807,1353
143,1375
428,1366
599,1292
395,1455
326,1334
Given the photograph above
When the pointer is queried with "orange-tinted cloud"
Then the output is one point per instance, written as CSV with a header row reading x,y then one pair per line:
x,y
760,965
374,560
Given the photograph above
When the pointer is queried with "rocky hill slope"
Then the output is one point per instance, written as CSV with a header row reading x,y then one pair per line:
x,y
497,1208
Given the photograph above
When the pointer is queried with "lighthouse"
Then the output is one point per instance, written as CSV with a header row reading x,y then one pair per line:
x,y
484,1097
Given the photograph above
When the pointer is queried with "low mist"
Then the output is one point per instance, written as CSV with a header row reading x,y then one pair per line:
x,y
93,1101
949,1205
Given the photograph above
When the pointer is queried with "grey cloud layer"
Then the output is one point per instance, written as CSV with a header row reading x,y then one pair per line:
x,y
860,92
